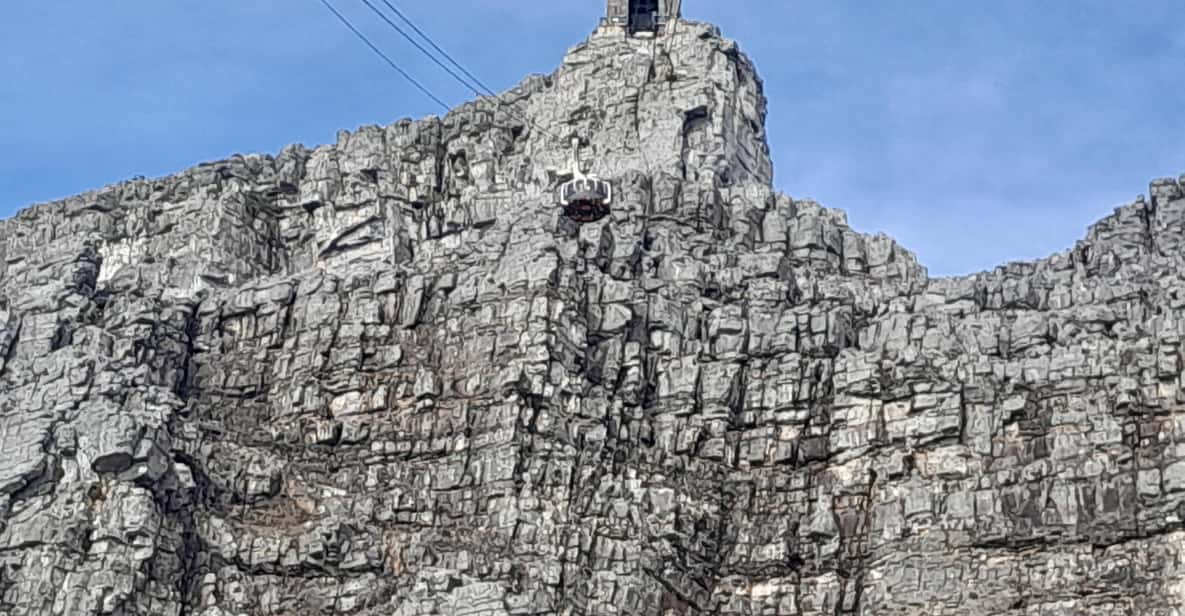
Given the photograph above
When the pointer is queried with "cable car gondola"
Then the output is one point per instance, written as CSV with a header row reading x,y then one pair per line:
x,y
584,198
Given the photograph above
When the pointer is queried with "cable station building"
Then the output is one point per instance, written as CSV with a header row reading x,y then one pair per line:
x,y
640,16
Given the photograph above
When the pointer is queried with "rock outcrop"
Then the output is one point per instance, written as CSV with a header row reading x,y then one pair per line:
x,y
384,376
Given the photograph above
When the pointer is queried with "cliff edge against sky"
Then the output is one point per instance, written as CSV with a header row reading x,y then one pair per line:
x,y
385,376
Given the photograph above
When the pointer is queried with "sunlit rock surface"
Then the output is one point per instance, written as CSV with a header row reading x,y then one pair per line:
x,y
385,377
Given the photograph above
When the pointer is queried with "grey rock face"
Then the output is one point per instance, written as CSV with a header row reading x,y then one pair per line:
x,y
385,377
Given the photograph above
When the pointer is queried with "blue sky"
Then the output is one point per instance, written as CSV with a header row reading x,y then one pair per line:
x,y
974,133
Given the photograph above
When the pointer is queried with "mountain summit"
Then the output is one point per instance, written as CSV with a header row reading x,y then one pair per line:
x,y
389,376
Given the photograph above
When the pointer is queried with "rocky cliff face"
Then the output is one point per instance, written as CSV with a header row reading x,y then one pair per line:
x,y
385,377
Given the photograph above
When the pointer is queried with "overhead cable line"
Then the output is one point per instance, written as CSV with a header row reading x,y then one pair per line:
x,y
442,52
412,40
384,56
470,86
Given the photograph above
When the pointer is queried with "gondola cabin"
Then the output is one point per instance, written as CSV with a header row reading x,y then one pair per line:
x,y
585,197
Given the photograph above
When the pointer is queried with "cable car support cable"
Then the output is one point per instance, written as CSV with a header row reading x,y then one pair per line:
x,y
442,52
470,86
384,56
420,47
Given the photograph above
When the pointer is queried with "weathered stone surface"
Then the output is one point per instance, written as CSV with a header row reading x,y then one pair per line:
x,y
384,376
